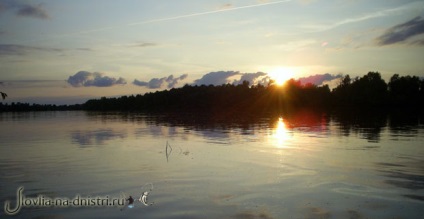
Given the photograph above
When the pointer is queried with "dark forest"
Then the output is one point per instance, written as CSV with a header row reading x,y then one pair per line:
x,y
367,92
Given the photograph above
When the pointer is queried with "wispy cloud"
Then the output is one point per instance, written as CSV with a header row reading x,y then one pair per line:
x,y
84,49
418,42
297,44
228,7
147,44
402,32
14,49
364,17
25,10
33,83
155,83
93,79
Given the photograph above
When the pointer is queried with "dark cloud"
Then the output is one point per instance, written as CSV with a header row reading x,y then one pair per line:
x,y
140,83
402,32
2,7
216,78
25,10
84,78
319,79
174,81
155,83
94,79
35,11
13,49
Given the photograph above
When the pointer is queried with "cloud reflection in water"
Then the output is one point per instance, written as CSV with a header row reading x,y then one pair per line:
x,y
96,137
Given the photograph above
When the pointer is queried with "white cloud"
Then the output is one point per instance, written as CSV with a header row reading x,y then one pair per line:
x,y
232,77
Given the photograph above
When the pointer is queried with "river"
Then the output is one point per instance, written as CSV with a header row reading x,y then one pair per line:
x,y
303,165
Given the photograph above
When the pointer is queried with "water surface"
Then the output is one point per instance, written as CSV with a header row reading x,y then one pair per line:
x,y
303,165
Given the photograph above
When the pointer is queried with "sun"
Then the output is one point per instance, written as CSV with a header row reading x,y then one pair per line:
x,y
281,74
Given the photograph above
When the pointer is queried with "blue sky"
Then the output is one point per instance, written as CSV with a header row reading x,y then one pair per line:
x,y
70,51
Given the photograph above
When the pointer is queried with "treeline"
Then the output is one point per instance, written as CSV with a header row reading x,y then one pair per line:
x,y
372,90
23,107
368,91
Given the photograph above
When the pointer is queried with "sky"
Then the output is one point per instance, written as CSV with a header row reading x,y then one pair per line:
x,y
66,52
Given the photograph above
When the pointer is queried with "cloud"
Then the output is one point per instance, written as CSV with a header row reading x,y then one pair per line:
x,y
319,79
262,3
402,32
140,83
36,11
174,81
419,42
364,17
14,49
25,10
216,78
155,83
84,49
254,78
226,9
232,77
145,45
226,6
211,78
95,79
96,137
297,44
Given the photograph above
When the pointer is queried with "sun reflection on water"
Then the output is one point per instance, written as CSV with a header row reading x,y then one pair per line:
x,y
281,133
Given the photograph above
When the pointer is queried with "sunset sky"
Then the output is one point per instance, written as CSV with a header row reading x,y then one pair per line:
x,y
65,52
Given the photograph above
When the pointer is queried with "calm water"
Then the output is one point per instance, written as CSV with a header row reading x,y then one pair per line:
x,y
299,166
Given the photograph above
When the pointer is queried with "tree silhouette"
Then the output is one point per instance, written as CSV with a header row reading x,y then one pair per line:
x,y
368,91
342,93
404,90
3,95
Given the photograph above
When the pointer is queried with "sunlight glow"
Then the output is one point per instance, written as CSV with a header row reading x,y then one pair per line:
x,y
281,133
281,74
